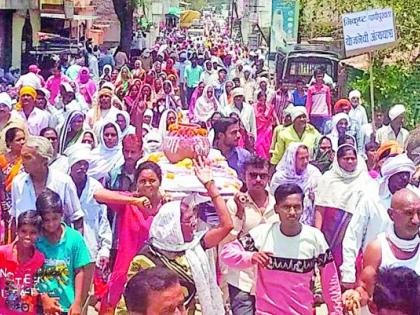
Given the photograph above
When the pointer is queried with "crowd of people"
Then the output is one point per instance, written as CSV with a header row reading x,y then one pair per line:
x,y
329,210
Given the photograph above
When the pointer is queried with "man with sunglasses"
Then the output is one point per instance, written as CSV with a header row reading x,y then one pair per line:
x,y
371,217
286,254
248,211
399,246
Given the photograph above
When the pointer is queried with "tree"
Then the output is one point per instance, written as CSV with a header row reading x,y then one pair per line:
x,y
197,5
124,9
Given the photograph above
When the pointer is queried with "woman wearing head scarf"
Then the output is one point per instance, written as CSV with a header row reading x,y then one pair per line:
x,y
338,193
176,244
265,117
340,123
133,91
174,81
124,122
169,69
157,88
324,155
196,94
72,130
294,168
124,79
226,99
87,86
264,85
106,74
206,105
171,100
138,71
150,77
89,137
168,118
108,154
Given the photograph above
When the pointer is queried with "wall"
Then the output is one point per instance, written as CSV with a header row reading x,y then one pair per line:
x,y
18,22
106,13
5,38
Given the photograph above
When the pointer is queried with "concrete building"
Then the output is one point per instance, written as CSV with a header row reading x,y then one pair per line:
x,y
15,15
22,21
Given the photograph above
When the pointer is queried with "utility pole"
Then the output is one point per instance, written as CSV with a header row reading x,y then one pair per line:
x,y
231,18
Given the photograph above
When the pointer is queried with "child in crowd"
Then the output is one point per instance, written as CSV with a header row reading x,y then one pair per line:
x,y
65,271
19,263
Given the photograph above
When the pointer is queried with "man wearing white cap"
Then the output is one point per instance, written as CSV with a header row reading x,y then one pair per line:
x,y
299,131
97,231
372,218
395,130
244,111
8,120
357,111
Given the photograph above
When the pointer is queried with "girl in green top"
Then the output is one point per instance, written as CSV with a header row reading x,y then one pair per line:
x,y
66,267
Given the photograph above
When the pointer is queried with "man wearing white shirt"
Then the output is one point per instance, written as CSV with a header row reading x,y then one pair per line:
x,y
367,129
395,130
357,111
26,187
244,110
35,118
371,217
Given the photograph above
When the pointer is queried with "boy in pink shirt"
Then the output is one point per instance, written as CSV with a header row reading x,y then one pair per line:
x,y
286,255
318,101
19,264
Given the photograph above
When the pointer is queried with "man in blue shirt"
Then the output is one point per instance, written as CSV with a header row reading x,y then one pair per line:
x,y
299,95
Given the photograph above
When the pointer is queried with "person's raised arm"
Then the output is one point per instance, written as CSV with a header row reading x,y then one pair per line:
x,y
116,200
217,234
136,116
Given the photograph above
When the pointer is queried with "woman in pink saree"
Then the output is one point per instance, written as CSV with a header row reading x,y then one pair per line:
x,y
87,86
196,94
264,115
133,91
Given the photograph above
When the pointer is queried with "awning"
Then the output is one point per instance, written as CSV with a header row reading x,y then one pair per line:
x,y
75,17
175,11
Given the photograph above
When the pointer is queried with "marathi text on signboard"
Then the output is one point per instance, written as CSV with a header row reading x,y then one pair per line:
x,y
368,30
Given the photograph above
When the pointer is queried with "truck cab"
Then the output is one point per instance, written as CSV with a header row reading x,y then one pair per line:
x,y
301,64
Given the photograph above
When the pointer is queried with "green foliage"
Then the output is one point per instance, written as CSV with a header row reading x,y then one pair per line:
x,y
393,84
197,5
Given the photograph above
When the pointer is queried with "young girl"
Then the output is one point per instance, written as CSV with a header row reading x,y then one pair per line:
x,y
64,273
19,264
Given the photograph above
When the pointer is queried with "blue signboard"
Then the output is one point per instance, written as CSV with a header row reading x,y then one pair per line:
x,y
284,23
